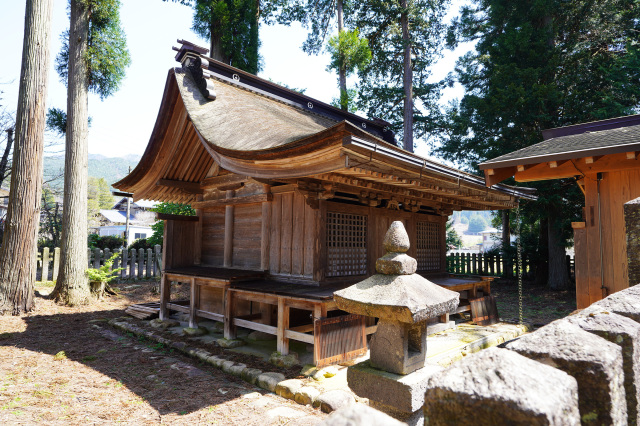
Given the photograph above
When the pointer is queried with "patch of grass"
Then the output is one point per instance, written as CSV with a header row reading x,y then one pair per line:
x,y
89,358
60,356
42,394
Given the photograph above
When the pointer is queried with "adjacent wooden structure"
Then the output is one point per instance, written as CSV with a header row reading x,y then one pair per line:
x,y
293,198
604,158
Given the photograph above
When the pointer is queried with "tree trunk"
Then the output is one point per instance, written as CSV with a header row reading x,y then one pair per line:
x,y
342,71
558,271
5,157
407,79
542,263
18,251
506,243
215,47
72,287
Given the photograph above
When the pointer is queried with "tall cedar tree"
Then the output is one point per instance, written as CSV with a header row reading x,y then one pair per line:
x,y
405,38
93,57
232,27
17,254
540,64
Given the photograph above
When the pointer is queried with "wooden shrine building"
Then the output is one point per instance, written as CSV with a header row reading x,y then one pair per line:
x,y
604,158
293,198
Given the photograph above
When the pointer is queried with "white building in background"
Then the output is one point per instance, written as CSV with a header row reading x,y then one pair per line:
x,y
491,238
114,223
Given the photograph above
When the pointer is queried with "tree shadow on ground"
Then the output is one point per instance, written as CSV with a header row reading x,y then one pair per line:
x,y
166,380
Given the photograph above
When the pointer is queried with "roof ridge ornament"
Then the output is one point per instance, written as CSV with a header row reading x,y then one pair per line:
x,y
189,55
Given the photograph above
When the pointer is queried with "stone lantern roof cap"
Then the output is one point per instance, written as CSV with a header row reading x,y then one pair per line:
x,y
401,295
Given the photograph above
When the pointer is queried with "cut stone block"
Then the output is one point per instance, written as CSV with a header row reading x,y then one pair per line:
x,y
359,414
230,343
399,348
625,302
404,392
595,364
250,375
624,332
333,400
306,395
288,388
500,387
269,381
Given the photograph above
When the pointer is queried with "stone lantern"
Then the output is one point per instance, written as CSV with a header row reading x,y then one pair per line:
x,y
405,303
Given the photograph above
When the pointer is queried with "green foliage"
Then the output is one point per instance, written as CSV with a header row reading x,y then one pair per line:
x,y
107,53
476,224
104,273
537,65
347,99
57,121
453,239
348,50
169,208
381,85
140,243
99,197
111,242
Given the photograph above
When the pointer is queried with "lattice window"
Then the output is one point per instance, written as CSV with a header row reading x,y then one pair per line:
x,y
346,244
429,247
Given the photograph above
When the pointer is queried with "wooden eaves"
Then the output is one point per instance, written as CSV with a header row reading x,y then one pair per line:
x,y
242,127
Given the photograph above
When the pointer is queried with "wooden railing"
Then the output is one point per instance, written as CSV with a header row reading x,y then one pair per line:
x,y
495,265
137,264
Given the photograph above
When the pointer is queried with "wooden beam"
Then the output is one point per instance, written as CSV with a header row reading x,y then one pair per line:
x,y
608,163
556,164
183,218
633,155
591,160
189,187
283,325
493,176
228,179
251,199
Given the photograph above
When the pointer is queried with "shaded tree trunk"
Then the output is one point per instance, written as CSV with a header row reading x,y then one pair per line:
x,y
5,157
558,271
407,78
506,242
342,71
542,263
18,251
72,287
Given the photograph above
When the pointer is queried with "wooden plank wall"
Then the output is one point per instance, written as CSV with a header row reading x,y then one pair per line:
x,y
247,233
213,237
293,232
616,188
179,249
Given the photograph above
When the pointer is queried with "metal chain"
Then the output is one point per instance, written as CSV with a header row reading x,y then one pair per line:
x,y
519,265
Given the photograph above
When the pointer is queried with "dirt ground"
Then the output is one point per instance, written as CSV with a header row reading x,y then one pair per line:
x,y
62,365
540,305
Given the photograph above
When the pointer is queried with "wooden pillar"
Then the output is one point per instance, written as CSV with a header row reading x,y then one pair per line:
x,y
194,302
229,302
319,311
266,233
581,264
283,324
165,290
197,249
228,232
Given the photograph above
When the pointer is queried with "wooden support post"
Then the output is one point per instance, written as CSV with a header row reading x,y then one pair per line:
x,y
165,290
283,324
132,265
96,259
193,303
266,233
444,318
56,263
149,262
140,263
45,265
229,328
197,250
228,232
125,255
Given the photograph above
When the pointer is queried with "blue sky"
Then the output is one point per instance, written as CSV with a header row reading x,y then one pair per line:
x,y
123,123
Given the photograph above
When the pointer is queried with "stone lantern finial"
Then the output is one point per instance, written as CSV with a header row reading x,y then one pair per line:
x,y
396,261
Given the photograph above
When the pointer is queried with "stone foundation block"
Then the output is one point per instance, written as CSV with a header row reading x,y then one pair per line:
x,y
624,332
269,381
306,395
595,364
625,302
404,392
288,388
359,414
500,387
333,400
250,375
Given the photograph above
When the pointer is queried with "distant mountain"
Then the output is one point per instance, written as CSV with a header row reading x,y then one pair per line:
x,y
112,169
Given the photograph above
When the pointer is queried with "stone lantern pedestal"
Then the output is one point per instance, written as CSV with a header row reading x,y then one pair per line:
x,y
395,376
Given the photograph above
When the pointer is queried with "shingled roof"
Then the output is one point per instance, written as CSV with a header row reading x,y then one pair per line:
x,y
589,139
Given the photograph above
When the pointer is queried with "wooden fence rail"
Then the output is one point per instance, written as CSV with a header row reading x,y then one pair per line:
x,y
495,265
138,264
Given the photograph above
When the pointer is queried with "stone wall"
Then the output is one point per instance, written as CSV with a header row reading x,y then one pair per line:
x,y
582,369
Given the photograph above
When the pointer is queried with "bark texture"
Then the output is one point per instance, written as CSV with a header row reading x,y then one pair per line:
x,y
407,79
17,254
342,72
73,287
